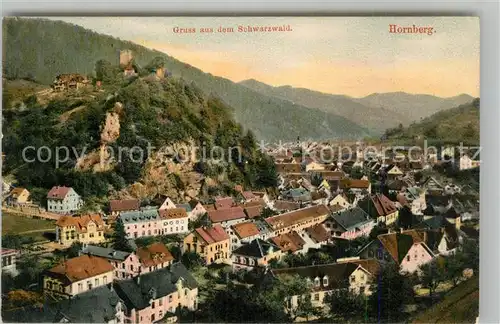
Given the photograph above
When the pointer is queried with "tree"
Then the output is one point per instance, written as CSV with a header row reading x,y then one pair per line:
x,y
192,260
432,274
119,238
278,296
105,71
306,309
391,292
345,305
453,267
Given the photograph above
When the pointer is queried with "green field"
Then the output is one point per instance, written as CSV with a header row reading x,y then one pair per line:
x,y
459,305
30,227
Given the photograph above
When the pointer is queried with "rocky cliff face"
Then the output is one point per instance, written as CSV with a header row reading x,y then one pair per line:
x,y
100,160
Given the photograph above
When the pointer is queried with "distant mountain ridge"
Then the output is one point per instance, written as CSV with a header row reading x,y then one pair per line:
x,y
42,49
376,111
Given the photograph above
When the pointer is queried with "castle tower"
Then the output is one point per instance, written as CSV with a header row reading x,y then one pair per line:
x,y
126,57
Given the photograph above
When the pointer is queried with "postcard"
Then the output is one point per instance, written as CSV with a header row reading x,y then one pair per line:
x,y
240,169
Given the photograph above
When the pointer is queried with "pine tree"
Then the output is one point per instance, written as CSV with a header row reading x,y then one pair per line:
x,y
119,238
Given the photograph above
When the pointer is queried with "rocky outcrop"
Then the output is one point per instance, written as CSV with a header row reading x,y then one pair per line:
x,y
100,160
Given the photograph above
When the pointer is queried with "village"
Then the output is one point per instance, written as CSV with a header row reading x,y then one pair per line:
x,y
359,215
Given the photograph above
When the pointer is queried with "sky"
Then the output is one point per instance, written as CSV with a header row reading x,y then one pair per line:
x,y
354,56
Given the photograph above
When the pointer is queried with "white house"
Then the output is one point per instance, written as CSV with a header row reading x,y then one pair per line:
x,y
63,200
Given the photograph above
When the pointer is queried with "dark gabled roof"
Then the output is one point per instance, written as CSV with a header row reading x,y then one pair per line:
x,y
451,213
107,253
350,218
137,294
337,274
257,248
433,222
94,306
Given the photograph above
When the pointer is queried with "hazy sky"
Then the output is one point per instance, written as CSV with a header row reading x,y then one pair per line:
x,y
340,55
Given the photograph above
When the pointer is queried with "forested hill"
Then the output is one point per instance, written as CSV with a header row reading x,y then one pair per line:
x,y
455,125
40,49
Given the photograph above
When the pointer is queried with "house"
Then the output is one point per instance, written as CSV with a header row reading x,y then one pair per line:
x,y
253,211
125,205
154,257
453,217
284,168
341,200
77,275
298,195
227,216
255,254
212,243
9,260
131,264
290,242
167,204
312,165
393,172
87,229
69,82
63,200
350,223
466,163
431,185
262,195
315,236
99,305
197,210
406,249
144,222
174,221
442,241
247,196
327,278
298,219
416,200
360,188
126,264
380,208
224,202
151,297
18,196
243,233
284,205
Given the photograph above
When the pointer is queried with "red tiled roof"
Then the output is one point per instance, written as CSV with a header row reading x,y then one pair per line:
x,y
289,242
80,222
124,205
245,229
224,203
154,254
354,184
221,215
212,234
253,211
318,233
297,216
82,267
383,205
58,192
248,195
173,213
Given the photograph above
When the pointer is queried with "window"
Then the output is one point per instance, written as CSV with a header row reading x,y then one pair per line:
x,y
316,282
170,299
89,285
96,282
153,305
152,317
316,297
123,265
105,280
408,257
325,281
80,287
176,222
353,279
160,302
